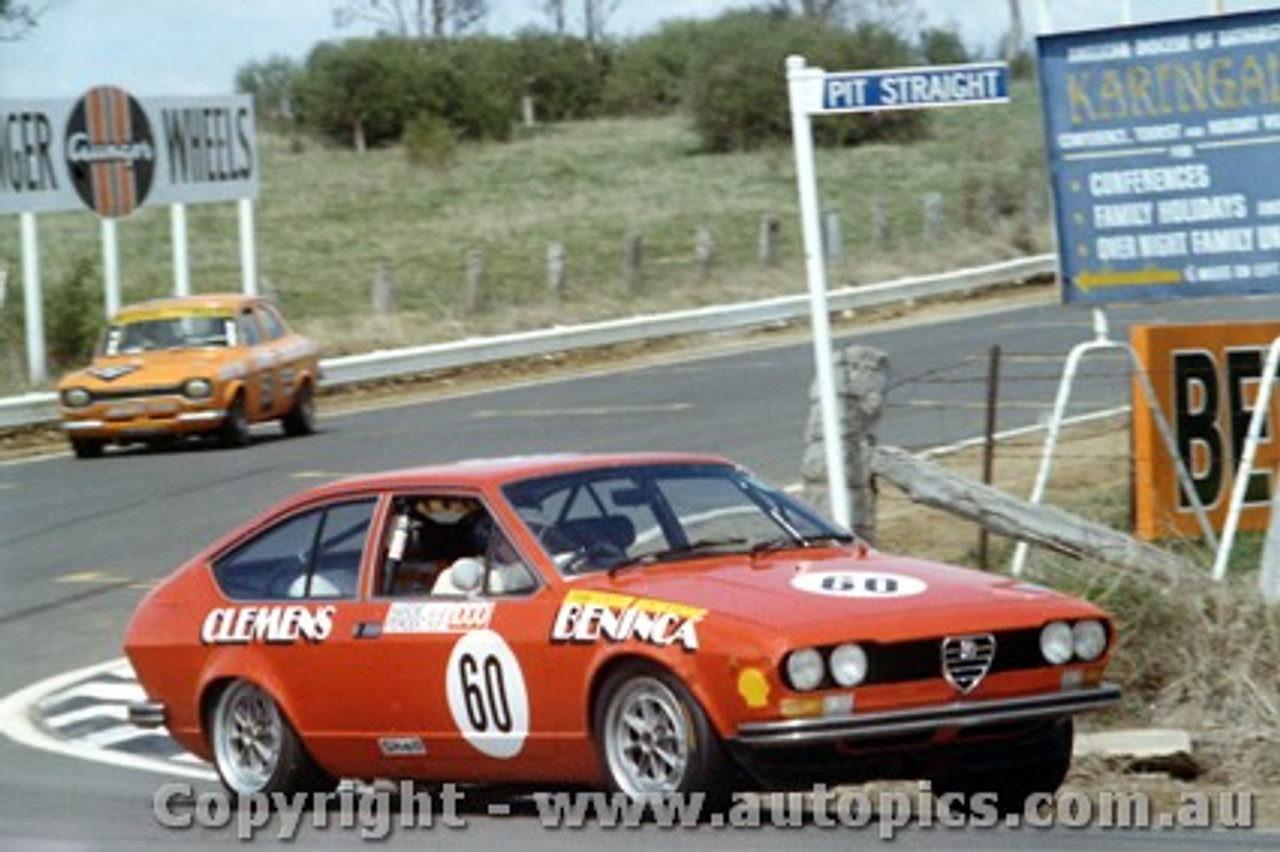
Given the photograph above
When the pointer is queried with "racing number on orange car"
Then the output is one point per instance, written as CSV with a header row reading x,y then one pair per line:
x,y
487,695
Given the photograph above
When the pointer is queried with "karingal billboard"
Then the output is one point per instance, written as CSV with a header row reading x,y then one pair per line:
x,y
1163,142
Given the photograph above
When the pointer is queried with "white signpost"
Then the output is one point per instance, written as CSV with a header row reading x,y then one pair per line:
x,y
813,91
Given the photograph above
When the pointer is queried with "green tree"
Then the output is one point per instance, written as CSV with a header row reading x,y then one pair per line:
x,y
18,19
942,47
737,97
271,83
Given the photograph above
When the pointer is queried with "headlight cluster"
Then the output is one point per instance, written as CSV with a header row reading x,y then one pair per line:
x,y
197,389
76,397
808,668
1061,642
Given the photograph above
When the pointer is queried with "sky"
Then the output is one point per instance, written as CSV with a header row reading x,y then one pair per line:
x,y
194,47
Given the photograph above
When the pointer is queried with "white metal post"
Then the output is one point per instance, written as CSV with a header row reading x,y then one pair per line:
x,y
110,266
1102,340
248,251
801,82
34,309
178,236
1261,410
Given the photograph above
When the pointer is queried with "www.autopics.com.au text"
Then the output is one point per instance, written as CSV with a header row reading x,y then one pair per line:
x,y
374,813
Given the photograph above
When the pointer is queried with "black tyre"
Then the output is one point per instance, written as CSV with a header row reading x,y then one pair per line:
x,y
86,448
654,740
1006,788
301,418
255,749
235,429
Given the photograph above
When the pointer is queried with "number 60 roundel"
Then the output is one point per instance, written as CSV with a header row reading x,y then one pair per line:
x,y
487,696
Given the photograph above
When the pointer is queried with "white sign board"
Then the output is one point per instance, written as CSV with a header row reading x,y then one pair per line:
x,y
111,153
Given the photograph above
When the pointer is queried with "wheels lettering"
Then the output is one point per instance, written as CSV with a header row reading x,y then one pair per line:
x,y
487,695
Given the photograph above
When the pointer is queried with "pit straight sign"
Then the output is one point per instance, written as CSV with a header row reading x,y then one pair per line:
x,y
915,88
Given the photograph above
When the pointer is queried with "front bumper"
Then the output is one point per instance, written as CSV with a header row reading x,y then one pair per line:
x,y
897,723
143,423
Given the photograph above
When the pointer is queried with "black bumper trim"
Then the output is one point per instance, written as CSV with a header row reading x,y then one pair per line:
x,y
959,714
147,714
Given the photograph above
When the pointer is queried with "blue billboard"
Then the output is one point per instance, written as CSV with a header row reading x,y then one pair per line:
x,y
1163,143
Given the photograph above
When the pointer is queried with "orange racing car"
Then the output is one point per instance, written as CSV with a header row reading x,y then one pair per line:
x,y
648,623
210,364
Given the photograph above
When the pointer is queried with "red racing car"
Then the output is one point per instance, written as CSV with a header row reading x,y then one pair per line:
x,y
648,623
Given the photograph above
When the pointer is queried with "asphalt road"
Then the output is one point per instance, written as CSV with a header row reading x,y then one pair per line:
x,y
80,541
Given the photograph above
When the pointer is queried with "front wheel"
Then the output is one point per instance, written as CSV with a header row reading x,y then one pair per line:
x,y
86,448
654,740
235,429
1045,760
301,418
255,749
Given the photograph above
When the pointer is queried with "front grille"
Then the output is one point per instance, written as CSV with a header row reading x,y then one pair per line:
x,y
116,395
967,659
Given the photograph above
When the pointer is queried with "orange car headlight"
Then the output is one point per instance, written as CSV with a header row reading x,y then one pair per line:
x,y
197,389
76,397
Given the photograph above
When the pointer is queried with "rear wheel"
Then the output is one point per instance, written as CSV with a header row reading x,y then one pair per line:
x,y
255,749
654,740
235,429
86,448
301,417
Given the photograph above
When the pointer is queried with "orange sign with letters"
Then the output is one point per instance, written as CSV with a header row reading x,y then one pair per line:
x,y
1206,380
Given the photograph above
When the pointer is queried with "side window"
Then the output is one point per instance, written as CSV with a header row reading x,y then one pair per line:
x,y
312,555
271,322
250,334
449,546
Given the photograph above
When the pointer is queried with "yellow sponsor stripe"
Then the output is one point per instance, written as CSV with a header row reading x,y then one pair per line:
x,y
667,607
609,599
1134,278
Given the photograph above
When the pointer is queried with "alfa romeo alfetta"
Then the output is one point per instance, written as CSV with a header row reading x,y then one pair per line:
x,y
651,624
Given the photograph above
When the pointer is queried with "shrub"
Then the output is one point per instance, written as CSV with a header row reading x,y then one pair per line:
x,y
430,142
650,74
738,95
73,316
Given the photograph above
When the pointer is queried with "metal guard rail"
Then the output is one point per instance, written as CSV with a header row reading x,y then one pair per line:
x,y
35,409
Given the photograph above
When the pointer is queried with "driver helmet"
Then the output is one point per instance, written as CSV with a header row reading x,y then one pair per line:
x,y
446,510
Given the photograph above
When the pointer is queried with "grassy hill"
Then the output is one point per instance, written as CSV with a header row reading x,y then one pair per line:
x,y
328,220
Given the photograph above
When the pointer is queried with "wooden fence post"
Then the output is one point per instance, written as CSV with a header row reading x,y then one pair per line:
x,y
770,228
880,234
862,378
555,270
632,273
933,222
704,250
833,240
384,295
475,282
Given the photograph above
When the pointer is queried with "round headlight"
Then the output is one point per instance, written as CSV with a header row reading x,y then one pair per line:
x,y
849,664
1057,643
197,388
1089,638
76,397
804,669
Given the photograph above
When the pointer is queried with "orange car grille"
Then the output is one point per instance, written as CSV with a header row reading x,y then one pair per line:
x,y
135,393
